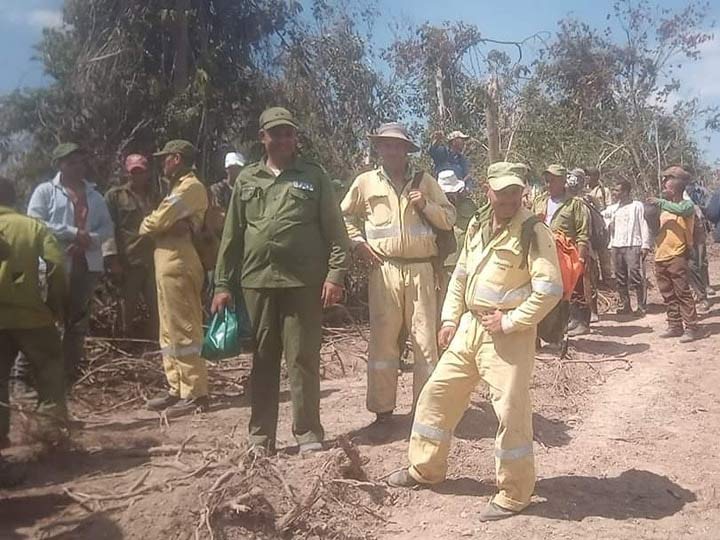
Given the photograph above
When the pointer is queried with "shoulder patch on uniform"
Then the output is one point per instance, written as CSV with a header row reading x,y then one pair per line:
x,y
304,185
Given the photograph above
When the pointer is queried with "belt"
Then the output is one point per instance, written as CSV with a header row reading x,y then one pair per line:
x,y
406,260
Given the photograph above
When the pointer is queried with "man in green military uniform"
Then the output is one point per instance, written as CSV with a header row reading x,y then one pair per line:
x,y
32,293
129,255
567,215
285,249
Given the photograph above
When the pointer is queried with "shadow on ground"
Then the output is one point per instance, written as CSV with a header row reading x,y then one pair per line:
x,y
623,331
635,494
607,347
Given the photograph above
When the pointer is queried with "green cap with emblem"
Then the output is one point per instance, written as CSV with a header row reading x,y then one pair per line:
x,y
504,174
63,150
556,170
277,116
177,146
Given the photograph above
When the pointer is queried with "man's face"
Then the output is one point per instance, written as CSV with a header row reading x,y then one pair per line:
x,y
457,145
555,184
619,194
171,164
232,171
593,180
672,187
506,202
74,166
392,152
139,176
280,142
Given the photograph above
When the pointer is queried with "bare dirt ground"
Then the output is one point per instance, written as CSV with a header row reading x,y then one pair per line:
x,y
626,447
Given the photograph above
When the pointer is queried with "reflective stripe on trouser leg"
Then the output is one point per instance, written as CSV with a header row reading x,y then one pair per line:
x,y
421,314
386,304
506,365
179,284
442,403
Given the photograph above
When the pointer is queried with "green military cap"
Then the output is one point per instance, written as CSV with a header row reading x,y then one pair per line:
x,y
63,150
504,174
277,116
556,170
177,146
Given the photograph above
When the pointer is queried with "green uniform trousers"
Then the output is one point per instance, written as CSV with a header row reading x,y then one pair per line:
x,y
285,320
139,281
44,352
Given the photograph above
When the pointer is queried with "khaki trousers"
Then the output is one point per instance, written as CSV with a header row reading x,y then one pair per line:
x,y
505,364
403,299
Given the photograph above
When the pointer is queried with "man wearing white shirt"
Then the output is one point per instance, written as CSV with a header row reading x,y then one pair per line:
x,y
629,243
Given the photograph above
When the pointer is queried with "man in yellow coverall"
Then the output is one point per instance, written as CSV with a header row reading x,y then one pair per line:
x,y
398,208
179,279
506,280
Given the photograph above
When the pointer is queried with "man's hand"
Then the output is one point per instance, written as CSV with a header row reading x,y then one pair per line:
x,y
82,239
179,228
332,294
583,252
446,335
492,322
417,199
654,200
220,302
367,254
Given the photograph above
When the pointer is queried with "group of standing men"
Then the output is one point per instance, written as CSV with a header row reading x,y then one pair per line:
x,y
284,253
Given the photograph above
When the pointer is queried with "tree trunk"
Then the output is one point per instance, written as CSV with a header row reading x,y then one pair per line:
x,y
491,120
181,63
440,95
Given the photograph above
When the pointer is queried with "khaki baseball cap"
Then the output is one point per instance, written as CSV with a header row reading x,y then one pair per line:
x,y
177,146
504,174
277,116
556,170
63,150
677,172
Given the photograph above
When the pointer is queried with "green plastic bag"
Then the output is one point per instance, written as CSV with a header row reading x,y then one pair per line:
x,y
225,335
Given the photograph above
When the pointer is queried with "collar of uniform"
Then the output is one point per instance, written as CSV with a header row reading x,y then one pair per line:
x,y
56,182
410,173
263,168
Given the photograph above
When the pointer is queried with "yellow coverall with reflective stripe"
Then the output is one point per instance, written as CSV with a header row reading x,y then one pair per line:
x,y
402,292
492,273
179,279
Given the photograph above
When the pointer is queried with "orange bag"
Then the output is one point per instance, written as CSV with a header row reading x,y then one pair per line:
x,y
570,266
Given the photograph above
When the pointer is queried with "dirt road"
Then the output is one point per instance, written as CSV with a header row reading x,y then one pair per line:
x,y
626,446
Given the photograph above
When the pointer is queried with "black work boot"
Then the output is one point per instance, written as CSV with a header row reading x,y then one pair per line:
x,y
162,402
188,406
402,479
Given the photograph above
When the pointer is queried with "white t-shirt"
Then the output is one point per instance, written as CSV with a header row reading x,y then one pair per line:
x,y
552,207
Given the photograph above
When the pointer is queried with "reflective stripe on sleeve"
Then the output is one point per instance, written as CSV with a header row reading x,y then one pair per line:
x,y
431,432
547,287
176,200
514,453
492,296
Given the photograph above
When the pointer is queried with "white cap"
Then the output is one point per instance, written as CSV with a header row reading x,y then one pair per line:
x,y
449,182
234,158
